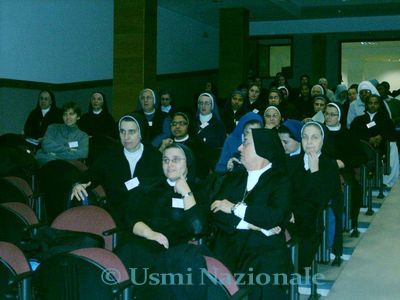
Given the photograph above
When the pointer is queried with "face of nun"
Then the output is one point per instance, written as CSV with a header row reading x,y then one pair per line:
x,y
311,139
248,156
97,101
44,100
174,164
272,118
205,105
129,135
331,116
290,145
147,101
316,90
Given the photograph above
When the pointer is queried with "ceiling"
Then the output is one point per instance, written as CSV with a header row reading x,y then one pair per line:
x,y
206,11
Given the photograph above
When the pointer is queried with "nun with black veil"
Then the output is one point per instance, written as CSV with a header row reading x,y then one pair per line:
x,y
250,213
164,218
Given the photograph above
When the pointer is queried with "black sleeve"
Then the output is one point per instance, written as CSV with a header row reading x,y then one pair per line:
x,y
275,209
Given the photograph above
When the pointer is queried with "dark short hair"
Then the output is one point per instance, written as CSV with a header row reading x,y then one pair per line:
x,y
320,97
72,105
283,129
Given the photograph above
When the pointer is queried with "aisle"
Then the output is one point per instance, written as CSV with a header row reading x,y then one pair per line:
x,y
372,271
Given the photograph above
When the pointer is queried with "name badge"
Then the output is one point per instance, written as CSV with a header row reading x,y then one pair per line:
x,y
131,184
177,203
73,144
204,125
150,123
371,124
255,111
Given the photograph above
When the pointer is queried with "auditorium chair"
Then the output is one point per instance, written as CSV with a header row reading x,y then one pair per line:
x,y
87,273
15,273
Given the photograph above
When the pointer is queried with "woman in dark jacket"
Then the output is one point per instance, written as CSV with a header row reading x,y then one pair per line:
x,y
45,113
165,216
316,185
375,126
250,214
210,131
98,121
234,109
122,169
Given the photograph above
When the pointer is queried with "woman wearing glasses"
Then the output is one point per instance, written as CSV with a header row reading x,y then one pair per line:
x,y
272,117
167,215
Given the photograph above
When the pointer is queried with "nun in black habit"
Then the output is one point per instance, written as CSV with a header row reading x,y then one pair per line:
x,y
316,185
250,214
164,218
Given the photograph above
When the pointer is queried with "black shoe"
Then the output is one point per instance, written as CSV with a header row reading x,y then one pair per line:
x,y
337,261
355,233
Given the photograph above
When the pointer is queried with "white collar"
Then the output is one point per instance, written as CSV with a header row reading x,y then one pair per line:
x,y
182,139
97,112
334,128
254,176
296,152
45,111
166,108
305,158
371,116
133,157
170,182
206,118
150,113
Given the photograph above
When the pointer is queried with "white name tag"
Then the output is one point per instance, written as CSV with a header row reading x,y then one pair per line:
x,y
150,123
255,111
131,184
73,144
371,124
177,203
204,125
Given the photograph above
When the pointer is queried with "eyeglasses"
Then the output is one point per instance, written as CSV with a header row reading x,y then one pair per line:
x,y
180,123
174,160
146,98
275,116
330,115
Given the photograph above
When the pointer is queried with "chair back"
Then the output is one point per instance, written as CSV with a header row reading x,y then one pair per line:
x,y
222,275
14,272
15,218
55,181
88,273
91,219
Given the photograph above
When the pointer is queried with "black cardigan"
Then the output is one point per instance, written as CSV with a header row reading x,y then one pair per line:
x,y
153,206
112,170
36,125
268,205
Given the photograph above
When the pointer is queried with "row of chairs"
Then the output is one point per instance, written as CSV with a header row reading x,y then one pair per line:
x,y
78,271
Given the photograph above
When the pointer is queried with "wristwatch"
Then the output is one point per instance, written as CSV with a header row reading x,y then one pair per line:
x,y
187,194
